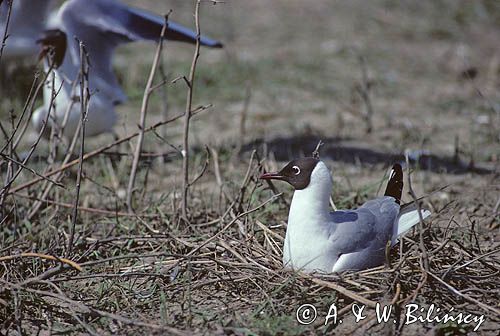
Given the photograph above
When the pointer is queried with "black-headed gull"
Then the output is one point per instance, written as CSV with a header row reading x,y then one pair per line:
x,y
27,21
320,240
101,25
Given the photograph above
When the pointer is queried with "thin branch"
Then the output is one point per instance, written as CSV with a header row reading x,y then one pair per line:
x,y
84,109
4,192
142,123
315,153
466,297
28,105
425,257
204,169
93,153
243,214
100,313
364,91
243,118
31,170
187,115
7,22
113,213
42,256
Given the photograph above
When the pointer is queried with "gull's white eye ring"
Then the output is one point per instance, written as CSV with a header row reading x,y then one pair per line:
x,y
296,170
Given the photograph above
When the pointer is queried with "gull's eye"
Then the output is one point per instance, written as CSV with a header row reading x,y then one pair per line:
x,y
296,170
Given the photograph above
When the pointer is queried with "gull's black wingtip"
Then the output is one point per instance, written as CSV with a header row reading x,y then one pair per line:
x,y
395,184
215,45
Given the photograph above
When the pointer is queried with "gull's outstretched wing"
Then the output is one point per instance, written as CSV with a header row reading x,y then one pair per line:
x,y
27,16
102,25
27,20
120,23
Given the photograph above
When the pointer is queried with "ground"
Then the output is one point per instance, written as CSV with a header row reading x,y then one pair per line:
x,y
291,73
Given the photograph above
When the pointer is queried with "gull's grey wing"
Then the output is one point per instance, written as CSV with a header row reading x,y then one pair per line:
x,y
352,231
121,23
27,20
102,25
27,16
141,21
360,236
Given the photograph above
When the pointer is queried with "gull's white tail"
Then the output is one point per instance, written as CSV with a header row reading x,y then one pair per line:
x,y
408,217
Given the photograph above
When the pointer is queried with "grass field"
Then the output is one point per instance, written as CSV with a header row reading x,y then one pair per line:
x,y
291,73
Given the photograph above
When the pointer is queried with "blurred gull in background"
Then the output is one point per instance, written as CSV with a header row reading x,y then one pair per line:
x,y
101,25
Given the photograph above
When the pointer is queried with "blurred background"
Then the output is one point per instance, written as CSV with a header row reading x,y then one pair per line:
x,y
430,68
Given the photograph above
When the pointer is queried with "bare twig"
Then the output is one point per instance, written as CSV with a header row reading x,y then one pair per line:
x,y
113,213
315,153
101,313
84,106
424,258
231,223
93,153
164,95
27,106
203,169
187,114
4,192
423,250
8,158
466,297
341,290
5,33
364,92
43,256
142,123
243,118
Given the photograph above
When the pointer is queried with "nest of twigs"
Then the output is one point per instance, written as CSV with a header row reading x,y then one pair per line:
x,y
220,271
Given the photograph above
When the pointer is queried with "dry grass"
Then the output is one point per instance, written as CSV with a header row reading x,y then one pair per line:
x,y
294,71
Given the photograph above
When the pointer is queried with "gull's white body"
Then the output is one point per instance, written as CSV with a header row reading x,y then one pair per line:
x,y
306,243
320,240
101,115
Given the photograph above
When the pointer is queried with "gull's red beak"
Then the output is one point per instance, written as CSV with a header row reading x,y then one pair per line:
x,y
271,176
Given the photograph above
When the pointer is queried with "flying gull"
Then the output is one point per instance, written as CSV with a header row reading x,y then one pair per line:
x,y
101,25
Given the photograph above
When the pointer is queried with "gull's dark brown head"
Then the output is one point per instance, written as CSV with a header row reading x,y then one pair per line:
x,y
297,173
53,43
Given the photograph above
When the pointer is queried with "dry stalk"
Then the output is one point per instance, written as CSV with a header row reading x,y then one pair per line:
x,y
85,209
97,312
364,92
243,118
243,214
84,109
20,164
42,256
30,101
164,96
95,152
5,191
187,114
33,93
423,250
7,22
142,123
315,153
